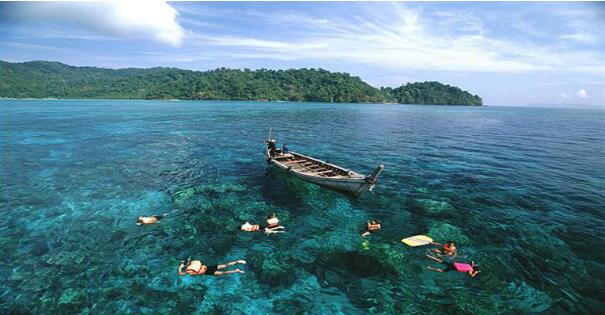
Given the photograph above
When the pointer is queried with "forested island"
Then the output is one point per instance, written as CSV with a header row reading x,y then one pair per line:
x,y
44,79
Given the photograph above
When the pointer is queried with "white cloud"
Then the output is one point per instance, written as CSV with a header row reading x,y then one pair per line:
x,y
527,27
583,37
583,94
401,38
464,21
256,43
125,19
564,95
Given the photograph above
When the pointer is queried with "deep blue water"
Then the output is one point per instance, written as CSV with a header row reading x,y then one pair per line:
x,y
519,189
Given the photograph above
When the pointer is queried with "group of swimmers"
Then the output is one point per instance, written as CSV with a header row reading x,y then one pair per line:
x,y
446,251
195,267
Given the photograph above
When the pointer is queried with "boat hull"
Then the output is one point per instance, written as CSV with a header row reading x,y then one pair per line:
x,y
353,185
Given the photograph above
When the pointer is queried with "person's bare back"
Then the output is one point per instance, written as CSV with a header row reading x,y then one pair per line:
x,y
143,220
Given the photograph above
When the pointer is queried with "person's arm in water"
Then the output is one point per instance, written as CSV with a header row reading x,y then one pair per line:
x,y
441,252
436,250
367,231
473,272
181,265
434,258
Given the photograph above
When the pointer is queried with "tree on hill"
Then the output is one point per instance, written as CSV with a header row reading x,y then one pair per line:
x,y
432,92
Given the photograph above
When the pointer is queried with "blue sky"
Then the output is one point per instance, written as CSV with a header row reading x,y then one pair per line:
x,y
510,53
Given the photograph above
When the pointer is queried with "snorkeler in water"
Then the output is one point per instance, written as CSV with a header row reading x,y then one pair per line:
x,y
195,267
371,227
446,250
143,220
273,224
250,227
471,269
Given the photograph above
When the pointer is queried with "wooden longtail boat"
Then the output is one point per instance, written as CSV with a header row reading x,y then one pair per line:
x,y
320,172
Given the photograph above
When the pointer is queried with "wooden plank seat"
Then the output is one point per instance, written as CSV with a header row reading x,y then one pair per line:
x,y
324,172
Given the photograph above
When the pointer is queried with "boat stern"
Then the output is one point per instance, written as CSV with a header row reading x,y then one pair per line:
x,y
373,179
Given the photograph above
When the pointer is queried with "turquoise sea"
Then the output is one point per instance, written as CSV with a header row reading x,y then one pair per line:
x,y
521,190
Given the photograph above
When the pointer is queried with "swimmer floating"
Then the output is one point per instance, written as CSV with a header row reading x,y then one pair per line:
x,y
195,267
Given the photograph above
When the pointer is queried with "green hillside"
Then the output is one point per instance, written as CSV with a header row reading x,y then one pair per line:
x,y
41,79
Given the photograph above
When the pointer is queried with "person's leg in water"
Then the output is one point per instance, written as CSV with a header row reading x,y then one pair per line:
x,y
160,217
434,258
274,230
448,266
229,264
435,269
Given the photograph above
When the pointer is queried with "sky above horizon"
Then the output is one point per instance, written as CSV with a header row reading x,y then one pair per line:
x,y
509,53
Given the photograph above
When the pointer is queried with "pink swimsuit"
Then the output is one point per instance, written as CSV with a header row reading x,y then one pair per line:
x,y
463,267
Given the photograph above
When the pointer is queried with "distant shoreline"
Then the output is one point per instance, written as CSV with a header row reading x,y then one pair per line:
x,y
225,101
566,106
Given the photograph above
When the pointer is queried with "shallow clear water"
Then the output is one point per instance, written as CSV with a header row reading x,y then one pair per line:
x,y
519,189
